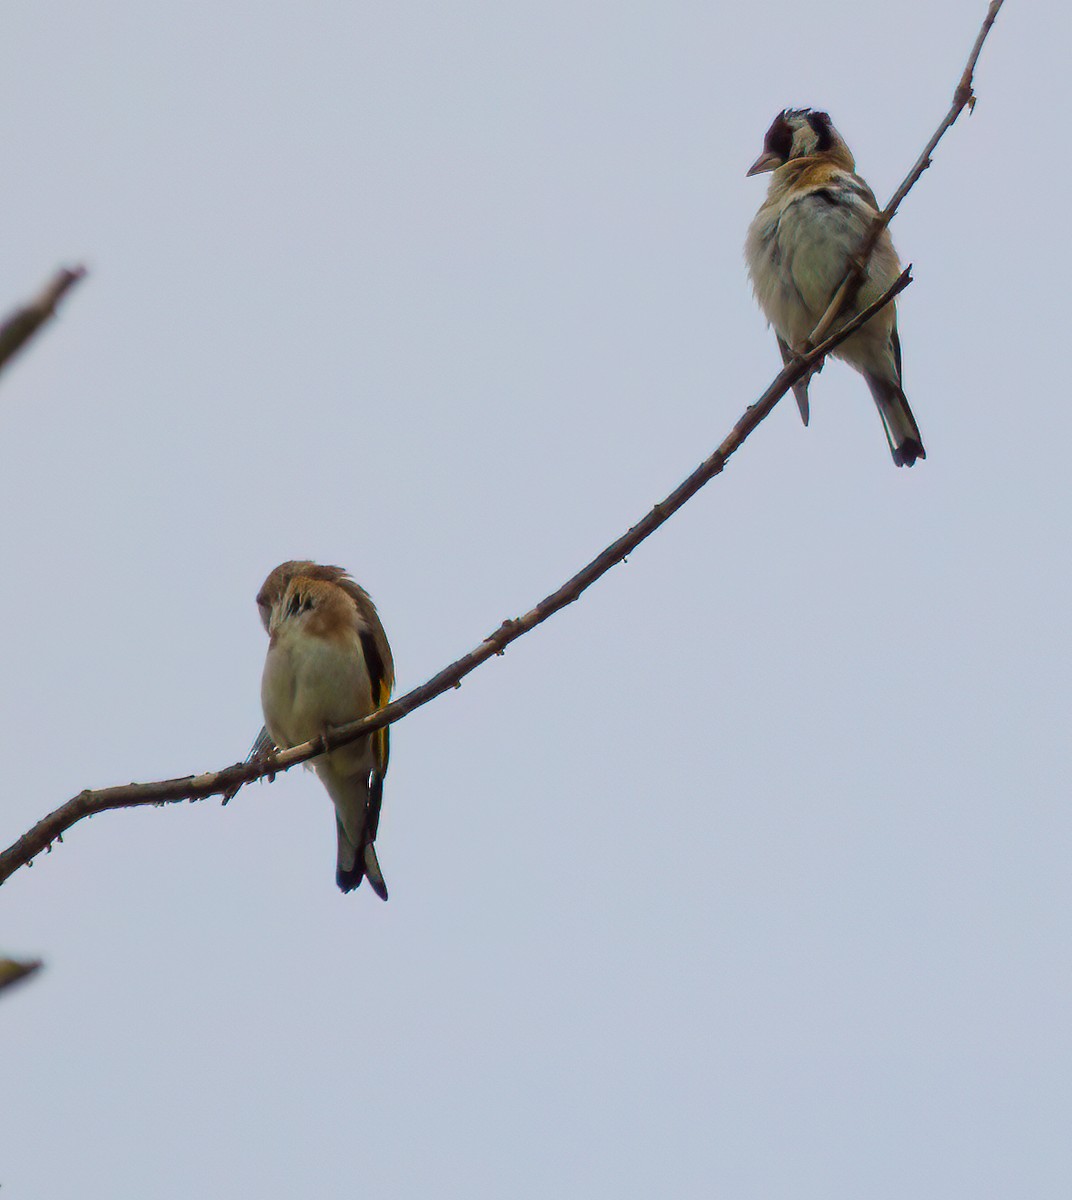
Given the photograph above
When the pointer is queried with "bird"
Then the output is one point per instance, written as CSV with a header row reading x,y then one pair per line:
x,y
801,245
329,663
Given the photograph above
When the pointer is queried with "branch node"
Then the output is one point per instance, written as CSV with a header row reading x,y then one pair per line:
x,y
505,633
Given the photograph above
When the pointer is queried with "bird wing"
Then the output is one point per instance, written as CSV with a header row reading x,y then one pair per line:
x,y
800,388
380,677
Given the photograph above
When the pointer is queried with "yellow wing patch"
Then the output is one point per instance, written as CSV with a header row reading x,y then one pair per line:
x,y
382,736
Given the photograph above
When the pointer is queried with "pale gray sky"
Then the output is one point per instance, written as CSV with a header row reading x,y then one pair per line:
x,y
745,877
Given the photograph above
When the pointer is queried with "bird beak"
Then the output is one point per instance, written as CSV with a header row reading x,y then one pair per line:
x,y
767,161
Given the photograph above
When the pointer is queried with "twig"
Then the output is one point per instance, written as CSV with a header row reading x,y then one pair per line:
x,y
12,970
24,322
963,97
226,782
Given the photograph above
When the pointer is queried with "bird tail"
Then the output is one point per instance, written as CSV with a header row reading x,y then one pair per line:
x,y
800,391
353,864
357,799
800,388
902,432
373,872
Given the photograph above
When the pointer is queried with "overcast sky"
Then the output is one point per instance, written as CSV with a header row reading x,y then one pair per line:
x,y
745,877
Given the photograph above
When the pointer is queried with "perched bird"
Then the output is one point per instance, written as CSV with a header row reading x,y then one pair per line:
x,y
799,249
328,664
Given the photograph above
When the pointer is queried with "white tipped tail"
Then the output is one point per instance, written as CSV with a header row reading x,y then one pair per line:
x,y
356,803
373,872
902,432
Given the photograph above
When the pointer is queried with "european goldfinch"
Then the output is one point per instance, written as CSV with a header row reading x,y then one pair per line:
x,y
799,247
328,664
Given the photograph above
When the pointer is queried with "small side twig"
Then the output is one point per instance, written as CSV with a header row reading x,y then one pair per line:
x,y
24,322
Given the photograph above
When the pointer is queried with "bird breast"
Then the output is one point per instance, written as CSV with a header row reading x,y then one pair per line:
x,y
798,253
311,682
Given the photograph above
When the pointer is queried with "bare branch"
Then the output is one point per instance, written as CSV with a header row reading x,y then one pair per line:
x,y
227,781
963,97
24,322
12,970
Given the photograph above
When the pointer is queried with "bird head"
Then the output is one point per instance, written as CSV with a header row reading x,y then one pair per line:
x,y
801,133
